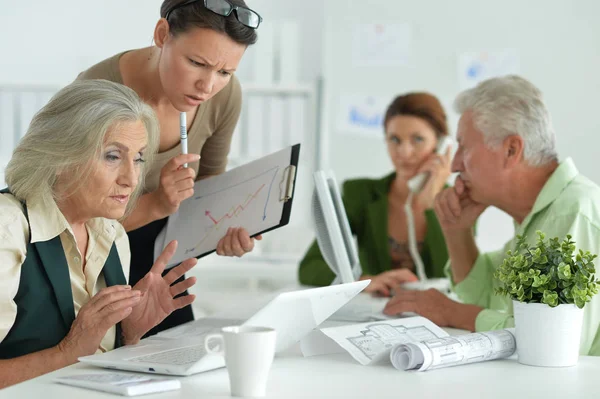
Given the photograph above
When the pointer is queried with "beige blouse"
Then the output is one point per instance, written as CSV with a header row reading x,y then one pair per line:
x,y
47,222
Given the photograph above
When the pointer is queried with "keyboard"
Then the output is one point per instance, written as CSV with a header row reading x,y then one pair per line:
x,y
180,356
362,308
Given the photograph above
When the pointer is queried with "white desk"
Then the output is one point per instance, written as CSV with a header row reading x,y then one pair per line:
x,y
331,376
293,376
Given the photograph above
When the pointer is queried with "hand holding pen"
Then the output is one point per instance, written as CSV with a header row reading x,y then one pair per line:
x,y
183,134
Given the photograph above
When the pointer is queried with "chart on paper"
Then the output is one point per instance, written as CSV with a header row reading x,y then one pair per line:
x,y
219,216
250,196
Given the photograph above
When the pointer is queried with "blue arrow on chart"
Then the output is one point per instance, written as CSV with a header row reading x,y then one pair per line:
x,y
269,194
274,169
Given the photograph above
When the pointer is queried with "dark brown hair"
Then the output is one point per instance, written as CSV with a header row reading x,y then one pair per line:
x,y
421,105
195,15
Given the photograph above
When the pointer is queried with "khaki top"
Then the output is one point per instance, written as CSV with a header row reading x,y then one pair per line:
x,y
46,222
209,134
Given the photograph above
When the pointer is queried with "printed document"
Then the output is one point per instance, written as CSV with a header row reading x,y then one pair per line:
x,y
412,343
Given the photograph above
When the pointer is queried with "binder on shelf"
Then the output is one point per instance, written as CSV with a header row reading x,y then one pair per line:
x,y
257,196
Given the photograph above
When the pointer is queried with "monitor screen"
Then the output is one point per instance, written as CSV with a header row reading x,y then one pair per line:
x,y
333,230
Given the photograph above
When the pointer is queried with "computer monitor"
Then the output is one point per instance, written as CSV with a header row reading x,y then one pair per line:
x,y
335,238
333,230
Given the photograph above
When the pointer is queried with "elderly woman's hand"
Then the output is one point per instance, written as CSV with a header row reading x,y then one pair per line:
x,y
158,294
95,318
237,242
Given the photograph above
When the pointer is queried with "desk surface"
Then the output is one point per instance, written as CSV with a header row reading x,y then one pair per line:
x,y
339,375
293,376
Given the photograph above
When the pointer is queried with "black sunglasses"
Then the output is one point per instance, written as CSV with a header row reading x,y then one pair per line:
x,y
245,15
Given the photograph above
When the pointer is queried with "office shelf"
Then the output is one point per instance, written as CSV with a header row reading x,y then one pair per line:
x,y
278,88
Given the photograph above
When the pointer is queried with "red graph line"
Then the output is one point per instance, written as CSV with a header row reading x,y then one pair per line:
x,y
235,210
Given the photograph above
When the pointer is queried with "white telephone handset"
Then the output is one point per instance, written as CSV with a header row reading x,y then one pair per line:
x,y
416,183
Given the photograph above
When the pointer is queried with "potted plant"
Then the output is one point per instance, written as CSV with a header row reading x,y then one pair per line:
x,y
549,284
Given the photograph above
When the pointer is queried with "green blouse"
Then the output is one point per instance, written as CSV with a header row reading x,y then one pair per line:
x,y
366,203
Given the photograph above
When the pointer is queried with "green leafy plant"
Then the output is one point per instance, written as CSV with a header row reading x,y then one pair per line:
x,y
549,272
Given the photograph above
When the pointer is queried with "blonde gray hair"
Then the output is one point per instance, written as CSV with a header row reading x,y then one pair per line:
x,y
69,132
511,105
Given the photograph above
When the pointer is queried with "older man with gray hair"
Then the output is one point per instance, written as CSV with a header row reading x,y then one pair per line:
x,y
506,158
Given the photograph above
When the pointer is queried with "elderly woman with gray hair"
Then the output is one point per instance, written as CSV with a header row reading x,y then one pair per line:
x,y
63,254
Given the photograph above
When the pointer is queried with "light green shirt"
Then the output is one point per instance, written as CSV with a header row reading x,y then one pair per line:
x,y
569,203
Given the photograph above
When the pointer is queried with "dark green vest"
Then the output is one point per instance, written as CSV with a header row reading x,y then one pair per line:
x,y
45,310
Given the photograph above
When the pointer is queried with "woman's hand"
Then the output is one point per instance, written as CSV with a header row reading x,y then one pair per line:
x,y
438,168
384,283
95,318
176,185
431,304
158,294
236,242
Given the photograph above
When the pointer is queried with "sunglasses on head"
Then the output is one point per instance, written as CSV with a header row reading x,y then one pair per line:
x,y
245,15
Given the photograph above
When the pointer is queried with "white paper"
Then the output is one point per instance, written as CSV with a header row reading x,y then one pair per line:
x,y
475,67
249,196
362,308
316,343
454,351
385,45
159,242
372,342
362,114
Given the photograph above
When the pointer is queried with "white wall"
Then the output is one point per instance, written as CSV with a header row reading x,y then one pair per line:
x,y
50,42
557,41
293,239
53,41
309,14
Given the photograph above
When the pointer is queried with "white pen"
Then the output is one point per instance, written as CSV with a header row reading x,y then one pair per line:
x,y
183,134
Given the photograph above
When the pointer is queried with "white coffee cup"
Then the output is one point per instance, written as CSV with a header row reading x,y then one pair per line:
x,y
248,352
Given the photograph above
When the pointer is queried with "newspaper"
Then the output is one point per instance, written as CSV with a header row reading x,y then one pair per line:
x,y
453,351
372,342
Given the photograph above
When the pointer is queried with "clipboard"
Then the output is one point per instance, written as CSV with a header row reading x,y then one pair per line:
x,y
257,196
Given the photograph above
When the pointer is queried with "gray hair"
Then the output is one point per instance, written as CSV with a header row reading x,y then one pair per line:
x,y
69,132
510,105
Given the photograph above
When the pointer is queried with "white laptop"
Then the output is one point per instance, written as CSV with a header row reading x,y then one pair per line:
x,y
180,350
338,248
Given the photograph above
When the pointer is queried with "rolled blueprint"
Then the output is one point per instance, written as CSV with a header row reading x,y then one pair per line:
x,y
454,351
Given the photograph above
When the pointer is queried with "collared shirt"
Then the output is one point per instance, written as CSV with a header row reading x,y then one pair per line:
x,y
569,203
47,222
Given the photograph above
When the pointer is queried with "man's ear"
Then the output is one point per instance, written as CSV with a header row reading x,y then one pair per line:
x,y
161,32
513,147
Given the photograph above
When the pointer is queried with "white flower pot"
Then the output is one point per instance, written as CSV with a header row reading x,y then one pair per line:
x,y
547,336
